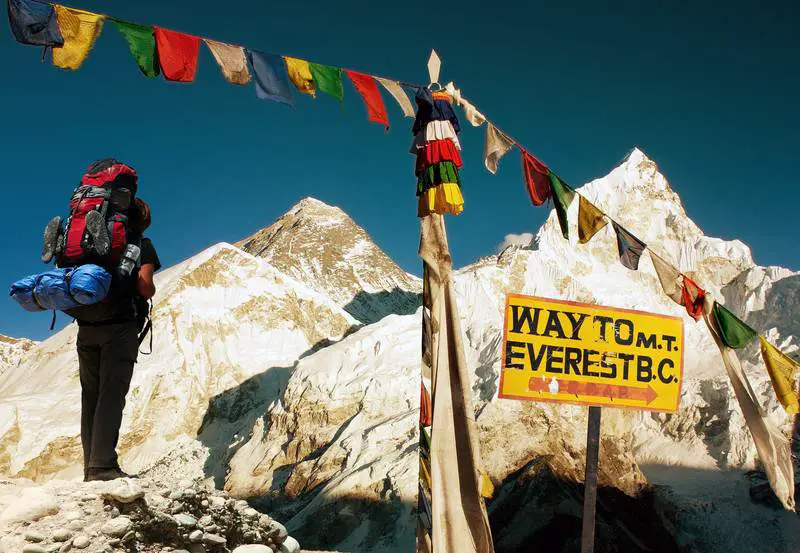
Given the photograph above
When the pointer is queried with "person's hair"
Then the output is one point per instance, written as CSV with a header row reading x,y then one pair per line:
x,y
141,219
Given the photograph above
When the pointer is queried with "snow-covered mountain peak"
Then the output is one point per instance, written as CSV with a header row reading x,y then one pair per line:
x,y
321,246
277,373
639,197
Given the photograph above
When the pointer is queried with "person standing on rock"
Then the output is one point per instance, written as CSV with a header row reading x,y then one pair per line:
x,y
108,349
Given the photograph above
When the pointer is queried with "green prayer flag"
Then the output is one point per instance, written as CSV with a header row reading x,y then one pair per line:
x,y
562,197
142,44
733,332
328,79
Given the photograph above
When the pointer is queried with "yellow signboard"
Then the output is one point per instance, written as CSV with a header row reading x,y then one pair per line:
x,y
571,352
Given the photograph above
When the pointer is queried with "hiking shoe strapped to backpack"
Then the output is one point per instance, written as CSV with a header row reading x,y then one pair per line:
x,y
96,230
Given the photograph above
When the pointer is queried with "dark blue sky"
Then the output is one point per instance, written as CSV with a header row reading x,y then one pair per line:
x,y
708,91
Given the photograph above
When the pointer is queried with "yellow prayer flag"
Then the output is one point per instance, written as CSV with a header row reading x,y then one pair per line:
x,y
80,29
487,488
300,75
781,371
590,220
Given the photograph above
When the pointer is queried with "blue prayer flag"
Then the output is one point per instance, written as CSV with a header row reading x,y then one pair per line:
x,y
34,23
630,247
271,78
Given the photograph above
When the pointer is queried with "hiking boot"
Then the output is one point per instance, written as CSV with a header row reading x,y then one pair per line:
x,y
94,475
51,236
96,229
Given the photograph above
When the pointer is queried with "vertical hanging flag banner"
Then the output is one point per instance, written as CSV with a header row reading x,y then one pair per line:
x,y
177,54
496,146
537,178
368,88
34,23
397,92
733,332
693,298
773,448
590,220
782,372
328,79
300,75
452,513
231,61
80,29
142,44
562,198
670,278
630,247
271,78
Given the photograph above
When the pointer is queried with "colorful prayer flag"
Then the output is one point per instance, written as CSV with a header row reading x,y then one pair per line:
x,y
562,198
142,44
271,78
537,177
80,29
630,247
590,220
300,75
692,297
177,54
368,88
496,146
328,79
397,92
231,60
732,330
34,23
781,371
671,279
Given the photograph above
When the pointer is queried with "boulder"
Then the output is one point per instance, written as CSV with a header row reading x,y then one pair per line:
x,y
117,527
31,506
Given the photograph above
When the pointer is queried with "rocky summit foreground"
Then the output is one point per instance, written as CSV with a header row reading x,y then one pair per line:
x,y
287,370
134,515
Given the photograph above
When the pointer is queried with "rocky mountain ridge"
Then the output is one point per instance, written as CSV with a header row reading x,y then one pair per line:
x,y
13,351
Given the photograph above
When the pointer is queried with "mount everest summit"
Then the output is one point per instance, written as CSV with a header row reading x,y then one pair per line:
x,y
286,367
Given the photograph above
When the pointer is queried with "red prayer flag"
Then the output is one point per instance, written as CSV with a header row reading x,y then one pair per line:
x,y
693,298
537,176
368,88
177,54
425,407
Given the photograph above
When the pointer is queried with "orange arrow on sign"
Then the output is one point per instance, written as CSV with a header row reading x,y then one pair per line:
x,y
611,391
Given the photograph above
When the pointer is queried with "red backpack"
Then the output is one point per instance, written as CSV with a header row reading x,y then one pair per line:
x,y
96,230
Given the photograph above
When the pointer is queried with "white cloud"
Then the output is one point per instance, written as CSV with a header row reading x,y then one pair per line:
x,y
523,239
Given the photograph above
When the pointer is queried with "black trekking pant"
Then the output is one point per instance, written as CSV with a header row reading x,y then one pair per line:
x,y
106,355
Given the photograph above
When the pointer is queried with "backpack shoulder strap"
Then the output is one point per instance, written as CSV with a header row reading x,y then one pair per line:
x,y
148,328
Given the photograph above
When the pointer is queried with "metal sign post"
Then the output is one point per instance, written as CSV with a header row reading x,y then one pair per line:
x,y
590,479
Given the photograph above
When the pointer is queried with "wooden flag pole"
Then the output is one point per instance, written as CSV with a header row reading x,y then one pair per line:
x,y
590,486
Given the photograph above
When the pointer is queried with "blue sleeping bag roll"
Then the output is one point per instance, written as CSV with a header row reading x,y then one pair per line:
x,y
89,284
22,292
62,288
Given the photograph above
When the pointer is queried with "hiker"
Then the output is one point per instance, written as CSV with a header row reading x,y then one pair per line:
x,y
107,351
